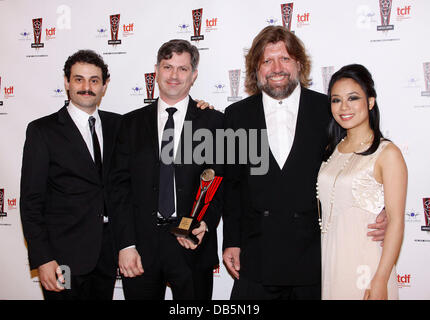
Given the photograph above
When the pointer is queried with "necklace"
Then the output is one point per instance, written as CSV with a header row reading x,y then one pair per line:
x,y
325,228
362,144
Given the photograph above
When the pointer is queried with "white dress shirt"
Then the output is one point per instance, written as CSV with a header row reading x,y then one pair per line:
x,y
281,119
80,118
178,118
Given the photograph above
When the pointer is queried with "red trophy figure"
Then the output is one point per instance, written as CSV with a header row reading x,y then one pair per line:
x,y
209,184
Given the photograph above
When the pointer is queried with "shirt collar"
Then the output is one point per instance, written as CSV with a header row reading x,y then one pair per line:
x,y
180,105
81,117
292,101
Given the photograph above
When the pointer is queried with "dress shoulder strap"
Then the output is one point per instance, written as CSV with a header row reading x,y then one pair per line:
x,y
381,147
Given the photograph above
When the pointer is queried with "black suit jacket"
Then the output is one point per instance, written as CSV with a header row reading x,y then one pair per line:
x,y
62,196
273,217
135,181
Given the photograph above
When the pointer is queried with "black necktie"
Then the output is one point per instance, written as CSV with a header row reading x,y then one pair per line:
x,y
166,197
96,146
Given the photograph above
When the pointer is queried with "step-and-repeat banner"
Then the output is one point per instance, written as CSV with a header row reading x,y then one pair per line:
x,y
390,37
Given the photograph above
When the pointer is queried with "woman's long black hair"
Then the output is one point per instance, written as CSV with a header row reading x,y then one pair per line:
x,y
336,133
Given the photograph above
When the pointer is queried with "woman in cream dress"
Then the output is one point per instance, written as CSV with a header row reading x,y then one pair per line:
x,y
362,174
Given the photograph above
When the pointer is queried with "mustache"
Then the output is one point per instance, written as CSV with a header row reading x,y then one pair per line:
x,y
277,74
87,92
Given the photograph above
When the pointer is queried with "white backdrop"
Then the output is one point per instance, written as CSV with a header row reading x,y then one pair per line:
x,y
335,33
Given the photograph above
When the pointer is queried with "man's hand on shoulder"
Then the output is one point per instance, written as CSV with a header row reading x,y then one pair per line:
x,y
201,104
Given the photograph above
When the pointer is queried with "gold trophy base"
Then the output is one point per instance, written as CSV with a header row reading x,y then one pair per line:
x,y
185,228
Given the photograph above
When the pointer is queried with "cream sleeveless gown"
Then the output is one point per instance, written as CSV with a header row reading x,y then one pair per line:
x,y
349,257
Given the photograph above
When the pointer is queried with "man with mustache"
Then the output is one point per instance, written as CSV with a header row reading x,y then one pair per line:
x,y
65,211
271,232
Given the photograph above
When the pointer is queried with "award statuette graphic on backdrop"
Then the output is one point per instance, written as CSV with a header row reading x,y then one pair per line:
x,y
234,76
209,184
426,204
287,14
150,86
2,213
385,9
37,31
426,66
197,24
114,28
327,72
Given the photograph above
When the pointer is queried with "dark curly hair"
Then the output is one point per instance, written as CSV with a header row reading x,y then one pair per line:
x,y
86,56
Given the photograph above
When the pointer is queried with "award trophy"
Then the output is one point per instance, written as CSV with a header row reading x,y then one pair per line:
x,y
287,15
426,202
2,213
37,31
150,85
114,27
197,24
209,183
426,93
234,76
385,9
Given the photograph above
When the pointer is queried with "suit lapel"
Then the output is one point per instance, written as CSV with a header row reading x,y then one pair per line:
x,y
182,172
261,125
151,125
301,124
191,115
260,118
192,110
108,130
72,133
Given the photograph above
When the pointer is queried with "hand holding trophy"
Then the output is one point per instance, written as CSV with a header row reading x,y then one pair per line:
x,y
209,183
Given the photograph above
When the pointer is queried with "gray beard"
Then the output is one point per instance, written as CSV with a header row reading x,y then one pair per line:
x,y
278,93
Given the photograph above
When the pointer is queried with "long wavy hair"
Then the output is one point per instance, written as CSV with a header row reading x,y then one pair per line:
x,y
295,48
336,133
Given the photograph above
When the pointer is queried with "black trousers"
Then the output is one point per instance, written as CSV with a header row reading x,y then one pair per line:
x,y
247,289
170,268
99,284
